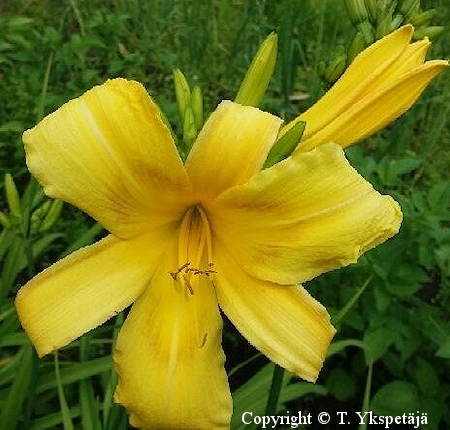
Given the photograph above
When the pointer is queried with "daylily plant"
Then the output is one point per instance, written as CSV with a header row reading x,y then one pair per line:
x,y
217,231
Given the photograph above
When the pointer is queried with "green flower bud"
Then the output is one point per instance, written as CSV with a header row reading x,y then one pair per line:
x,y
285,145
12,196
358,45
397,21
258,75
38,215
189,128
372,9
384,26
182,93
51,216
335,69
5,221
408,7
430,32
422,19
367,30
357,11
197,106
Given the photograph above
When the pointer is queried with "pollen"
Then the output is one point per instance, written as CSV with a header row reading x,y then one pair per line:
x,y
194,249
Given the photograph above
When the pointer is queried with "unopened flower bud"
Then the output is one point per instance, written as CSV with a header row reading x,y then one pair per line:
x,y
367,30
335,69
12,196
285,144
422,19
431,32
38,215
372,9
408,7
197,106
182,93
396,22
258,75
358,45
357,11
51,216
384,26
189,128
5,221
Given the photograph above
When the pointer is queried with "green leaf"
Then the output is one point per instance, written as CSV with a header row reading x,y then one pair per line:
x,y
339,345
65,412
396,398
90,416
75,373
444,349
377,341
18,391
426,377
340,384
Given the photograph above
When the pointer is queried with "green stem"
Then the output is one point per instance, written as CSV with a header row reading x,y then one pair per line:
x,y
337,319
275,389
366,401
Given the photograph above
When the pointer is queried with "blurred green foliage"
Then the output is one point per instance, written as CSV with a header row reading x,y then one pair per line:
x,y
399,323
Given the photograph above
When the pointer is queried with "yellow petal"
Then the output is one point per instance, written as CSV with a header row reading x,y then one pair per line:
x,y
169,359
283,322
304,216
377,109
109,153
371,64
86,288
231,147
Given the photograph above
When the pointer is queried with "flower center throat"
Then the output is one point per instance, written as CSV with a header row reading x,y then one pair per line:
x,y
194,249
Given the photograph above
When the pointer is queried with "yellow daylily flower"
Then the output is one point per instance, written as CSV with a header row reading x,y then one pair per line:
x,y
188,239
380,84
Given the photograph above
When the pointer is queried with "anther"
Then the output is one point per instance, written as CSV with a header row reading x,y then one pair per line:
x,y
180,269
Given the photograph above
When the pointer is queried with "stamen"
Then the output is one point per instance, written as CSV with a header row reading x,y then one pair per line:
x,y
207,230
188,284
180,269
183,239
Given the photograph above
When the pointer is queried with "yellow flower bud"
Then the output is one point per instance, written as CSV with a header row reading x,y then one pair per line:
x,y
260,72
